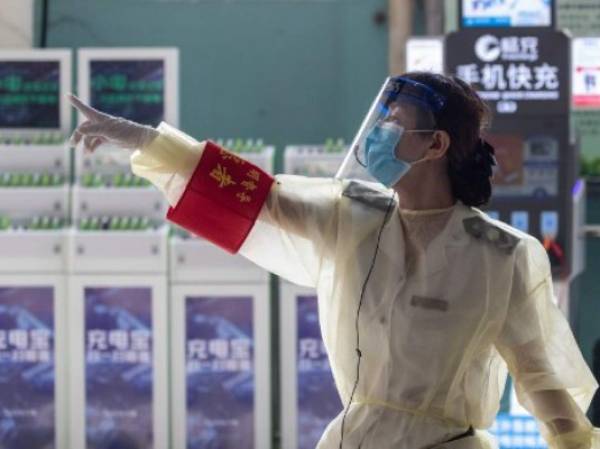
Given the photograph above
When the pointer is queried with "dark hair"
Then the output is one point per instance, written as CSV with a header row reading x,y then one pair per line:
x,y
463,117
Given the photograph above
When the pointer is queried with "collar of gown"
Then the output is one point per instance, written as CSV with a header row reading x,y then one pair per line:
x,y
452,235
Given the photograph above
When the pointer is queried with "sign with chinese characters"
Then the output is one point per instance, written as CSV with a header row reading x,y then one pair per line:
x,y
118,361
521,72
27,368
586,72
318,399
220,381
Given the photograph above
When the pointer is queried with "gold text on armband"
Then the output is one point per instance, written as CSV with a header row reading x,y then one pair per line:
x,y
219,173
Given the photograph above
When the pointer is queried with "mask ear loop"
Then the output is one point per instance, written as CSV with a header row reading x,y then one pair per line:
x,y
357,158
423,158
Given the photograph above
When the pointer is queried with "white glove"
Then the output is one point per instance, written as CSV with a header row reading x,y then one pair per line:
x,y
100,128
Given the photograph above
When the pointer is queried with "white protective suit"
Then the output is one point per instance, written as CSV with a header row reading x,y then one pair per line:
x,y
444,312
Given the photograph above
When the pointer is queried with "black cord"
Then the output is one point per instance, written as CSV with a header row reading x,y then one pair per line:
x,y
362,295
44,27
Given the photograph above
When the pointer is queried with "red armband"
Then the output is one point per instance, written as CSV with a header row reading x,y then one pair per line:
x,y
222,199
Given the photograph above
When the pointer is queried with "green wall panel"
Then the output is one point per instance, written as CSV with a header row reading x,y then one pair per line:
x,y
289,72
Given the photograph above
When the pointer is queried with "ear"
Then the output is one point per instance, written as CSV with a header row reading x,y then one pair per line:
x,y
440,142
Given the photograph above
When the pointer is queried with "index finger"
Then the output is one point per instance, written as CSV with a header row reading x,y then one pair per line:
x,y
88,111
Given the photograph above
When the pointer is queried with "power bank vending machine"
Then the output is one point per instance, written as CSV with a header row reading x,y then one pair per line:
x,y
309,399
220,342
118,309
34,213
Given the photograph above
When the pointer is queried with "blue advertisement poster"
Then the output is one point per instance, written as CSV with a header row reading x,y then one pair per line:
x,y
118,362
318,399
27,374
220,372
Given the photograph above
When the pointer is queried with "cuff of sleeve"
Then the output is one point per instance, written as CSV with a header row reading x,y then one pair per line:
x,y
595,438
168,161
579,439
223,198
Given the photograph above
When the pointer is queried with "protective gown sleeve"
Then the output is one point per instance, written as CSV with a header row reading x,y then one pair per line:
x,y
285,224
552,380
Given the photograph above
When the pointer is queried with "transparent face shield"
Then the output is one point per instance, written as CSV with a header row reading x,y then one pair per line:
x,y
401,102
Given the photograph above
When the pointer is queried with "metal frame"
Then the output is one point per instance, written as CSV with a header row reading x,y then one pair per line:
x,y
288,363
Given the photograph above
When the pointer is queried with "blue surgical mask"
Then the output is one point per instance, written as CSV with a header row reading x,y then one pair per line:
x,y
380,152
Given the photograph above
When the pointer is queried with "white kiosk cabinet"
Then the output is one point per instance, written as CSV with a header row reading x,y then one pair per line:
x,y
220,343
309,398
34,211
118,308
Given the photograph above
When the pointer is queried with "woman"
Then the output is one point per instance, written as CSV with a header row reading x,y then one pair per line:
x,y
422,297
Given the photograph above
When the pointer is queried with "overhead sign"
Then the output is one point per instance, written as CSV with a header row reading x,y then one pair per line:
x,y
515,71
586,72
506,13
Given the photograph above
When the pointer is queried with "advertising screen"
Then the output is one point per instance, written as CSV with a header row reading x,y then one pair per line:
x,y
133,89
29,94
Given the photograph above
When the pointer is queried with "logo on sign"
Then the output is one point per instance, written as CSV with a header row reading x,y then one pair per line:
x,y
487,48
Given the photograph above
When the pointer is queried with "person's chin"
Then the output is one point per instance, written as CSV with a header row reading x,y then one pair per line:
x,y
401,185
406,182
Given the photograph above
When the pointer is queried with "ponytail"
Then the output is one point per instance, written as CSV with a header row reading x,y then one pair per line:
x,y
470,177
